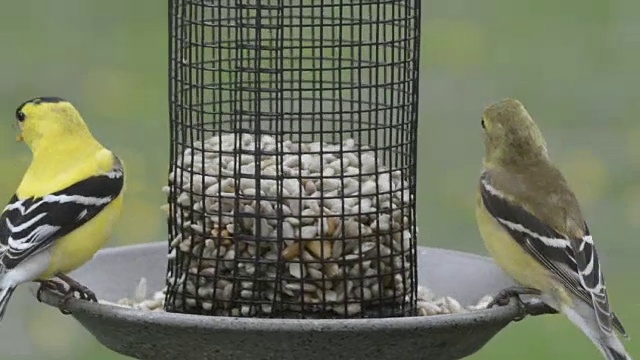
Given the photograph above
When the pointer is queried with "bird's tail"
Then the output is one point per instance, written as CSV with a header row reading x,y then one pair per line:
x,y
5,296
609,344
615,352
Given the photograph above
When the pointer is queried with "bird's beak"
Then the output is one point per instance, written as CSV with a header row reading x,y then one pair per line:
x,y
19,137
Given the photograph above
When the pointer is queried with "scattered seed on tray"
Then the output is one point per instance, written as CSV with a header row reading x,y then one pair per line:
x,y
428,303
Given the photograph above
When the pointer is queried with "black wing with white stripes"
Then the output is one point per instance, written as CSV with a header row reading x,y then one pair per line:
x,y
573,261
30,225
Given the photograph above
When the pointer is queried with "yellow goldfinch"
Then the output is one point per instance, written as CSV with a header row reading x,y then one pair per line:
x,y
66,205
532,225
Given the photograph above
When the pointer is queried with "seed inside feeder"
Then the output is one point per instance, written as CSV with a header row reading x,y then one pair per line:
x,y
344,221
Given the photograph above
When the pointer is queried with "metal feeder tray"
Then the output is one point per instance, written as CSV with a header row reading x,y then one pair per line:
x,y
115,272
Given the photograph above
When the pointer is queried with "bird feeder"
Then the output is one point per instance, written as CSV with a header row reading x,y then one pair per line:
x,y
294,133
291,197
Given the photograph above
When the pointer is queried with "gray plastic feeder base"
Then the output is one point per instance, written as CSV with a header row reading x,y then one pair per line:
x,y
115,272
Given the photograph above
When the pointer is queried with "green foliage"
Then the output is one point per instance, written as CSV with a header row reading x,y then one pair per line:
x,y
573,64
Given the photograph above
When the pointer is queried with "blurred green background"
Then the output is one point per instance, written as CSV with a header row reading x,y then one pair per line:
x,y
573,63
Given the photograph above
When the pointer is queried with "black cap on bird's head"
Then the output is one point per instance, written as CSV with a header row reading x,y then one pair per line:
x,y
36,101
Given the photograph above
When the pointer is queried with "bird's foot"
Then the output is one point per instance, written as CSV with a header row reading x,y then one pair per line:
x,y
74,287
514,292
505,295
62,304
51,285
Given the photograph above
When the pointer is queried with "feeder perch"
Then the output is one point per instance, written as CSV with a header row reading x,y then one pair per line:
x,y
291,198
115,272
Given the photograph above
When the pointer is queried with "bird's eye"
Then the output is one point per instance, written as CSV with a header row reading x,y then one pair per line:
x,y
20,116
482,123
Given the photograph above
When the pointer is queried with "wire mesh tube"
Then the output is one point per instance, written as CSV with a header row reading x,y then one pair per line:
x,y
293,158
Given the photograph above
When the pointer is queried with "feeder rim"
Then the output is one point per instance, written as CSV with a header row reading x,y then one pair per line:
x,y
508,312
